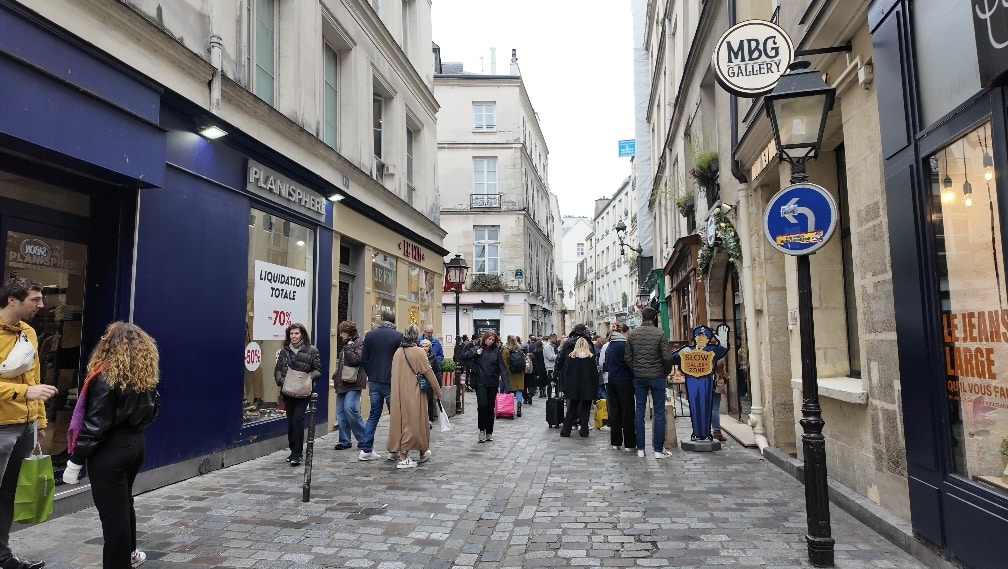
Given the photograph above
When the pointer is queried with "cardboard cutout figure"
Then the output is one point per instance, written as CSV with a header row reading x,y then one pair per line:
x,y
697,363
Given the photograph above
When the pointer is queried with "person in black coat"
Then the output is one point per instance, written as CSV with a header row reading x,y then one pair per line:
x,y
539,367
579,383
297,354
486,363
118,400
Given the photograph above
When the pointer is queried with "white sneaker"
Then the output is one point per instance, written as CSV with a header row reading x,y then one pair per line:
x,y
640,453
137,558
408,463
663,453
425,456
615,447
629,449
368,456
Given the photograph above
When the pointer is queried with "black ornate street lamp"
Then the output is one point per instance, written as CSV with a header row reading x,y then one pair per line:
x,y
797,108
621,234
455,272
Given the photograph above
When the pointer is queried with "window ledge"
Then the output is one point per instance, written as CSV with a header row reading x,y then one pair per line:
x,y
849,389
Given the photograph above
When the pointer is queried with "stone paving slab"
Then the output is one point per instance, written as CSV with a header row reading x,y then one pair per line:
x,y
527,499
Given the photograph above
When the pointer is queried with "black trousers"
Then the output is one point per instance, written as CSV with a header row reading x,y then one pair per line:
x,y
578,412
295,408
620,395
485,396
112,470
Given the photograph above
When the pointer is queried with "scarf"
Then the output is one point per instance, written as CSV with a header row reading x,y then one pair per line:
x,y
77,418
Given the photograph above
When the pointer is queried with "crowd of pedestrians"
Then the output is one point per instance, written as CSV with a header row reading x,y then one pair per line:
x,y
400,369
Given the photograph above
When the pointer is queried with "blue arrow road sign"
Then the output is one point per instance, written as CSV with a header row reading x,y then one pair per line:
x,y
800,219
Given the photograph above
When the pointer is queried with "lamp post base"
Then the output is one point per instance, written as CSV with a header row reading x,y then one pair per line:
x,y
701,446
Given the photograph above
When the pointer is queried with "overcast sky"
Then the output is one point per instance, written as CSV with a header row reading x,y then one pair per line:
x,y
576,60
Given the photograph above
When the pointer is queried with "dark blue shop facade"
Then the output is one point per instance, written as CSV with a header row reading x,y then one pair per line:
x,y
941,70
110,198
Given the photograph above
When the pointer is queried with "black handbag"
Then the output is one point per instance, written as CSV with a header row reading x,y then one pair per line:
x,y
422,382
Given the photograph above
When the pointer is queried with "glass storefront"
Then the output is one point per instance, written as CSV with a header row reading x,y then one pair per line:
x,y
59,266
974,305
281,262
383,273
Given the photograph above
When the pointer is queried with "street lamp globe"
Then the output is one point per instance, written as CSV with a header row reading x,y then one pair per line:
x,y
620,229
797,109
456,271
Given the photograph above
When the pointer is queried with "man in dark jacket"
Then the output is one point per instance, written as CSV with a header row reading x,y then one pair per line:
x,y
620,392
380,345
650,359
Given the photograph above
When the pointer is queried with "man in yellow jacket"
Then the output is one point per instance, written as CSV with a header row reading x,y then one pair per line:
x,y
22,404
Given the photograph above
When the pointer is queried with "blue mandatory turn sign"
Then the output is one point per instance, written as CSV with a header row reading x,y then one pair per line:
x,y
800,219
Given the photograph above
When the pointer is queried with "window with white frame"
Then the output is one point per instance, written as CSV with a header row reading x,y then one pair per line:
x,y
405,26
485,175
580,249
410,146
486,249
377,112
262,49
330,96
483,116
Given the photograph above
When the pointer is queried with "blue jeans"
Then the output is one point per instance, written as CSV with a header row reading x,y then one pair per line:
x,y
381,394
656,387
349,418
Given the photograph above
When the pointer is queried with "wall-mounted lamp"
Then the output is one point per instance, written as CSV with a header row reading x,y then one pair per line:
x,y
620,234
336,197
211,131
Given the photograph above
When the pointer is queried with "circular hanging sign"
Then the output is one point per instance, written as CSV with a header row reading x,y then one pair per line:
x,y
711,231
751,56
253,356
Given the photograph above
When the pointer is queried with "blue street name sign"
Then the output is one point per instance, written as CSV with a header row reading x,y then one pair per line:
x,y
627,147
800,219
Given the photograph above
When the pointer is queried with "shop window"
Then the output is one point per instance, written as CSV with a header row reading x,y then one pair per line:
x,y
280,290
969,260
383,274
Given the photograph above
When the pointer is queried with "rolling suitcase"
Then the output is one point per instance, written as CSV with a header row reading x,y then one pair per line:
x,y
504,406
601,413
554,409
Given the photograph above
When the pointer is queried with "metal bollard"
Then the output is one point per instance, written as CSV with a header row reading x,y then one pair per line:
x,y
310,449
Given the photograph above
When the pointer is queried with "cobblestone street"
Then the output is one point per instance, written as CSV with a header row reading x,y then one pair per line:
x,y
527,499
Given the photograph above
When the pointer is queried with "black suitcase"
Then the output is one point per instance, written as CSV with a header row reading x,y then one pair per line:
x,y
554,412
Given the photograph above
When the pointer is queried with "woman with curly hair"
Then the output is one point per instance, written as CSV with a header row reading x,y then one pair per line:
x,y
117,402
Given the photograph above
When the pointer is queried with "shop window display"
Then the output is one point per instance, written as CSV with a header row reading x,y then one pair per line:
x,y
383,279
970,263
280,292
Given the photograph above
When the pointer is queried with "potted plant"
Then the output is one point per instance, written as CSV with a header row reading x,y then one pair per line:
x,y
485,282
448,387
705,169
684,202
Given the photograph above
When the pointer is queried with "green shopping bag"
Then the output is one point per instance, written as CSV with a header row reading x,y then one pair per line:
x,y
36,486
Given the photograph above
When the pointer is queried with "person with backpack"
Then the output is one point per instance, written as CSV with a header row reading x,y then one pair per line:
x,y
515,358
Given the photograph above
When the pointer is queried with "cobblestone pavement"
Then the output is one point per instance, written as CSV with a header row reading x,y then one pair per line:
x,y
527,499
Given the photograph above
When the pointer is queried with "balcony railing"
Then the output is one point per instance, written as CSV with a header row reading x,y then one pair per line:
x,y
485,200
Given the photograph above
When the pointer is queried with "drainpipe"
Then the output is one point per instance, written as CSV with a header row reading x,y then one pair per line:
x,y
748,291
215,57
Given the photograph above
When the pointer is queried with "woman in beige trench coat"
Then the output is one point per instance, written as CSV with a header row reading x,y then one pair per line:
x,y
409,428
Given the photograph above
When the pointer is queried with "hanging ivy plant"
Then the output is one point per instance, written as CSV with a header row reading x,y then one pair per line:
x,y
727,237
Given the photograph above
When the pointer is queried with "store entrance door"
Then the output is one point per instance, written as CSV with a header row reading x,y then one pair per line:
x,y
57,259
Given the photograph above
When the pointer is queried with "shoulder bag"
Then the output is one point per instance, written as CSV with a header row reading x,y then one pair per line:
x,y
348,374
422,382
296,383
20,359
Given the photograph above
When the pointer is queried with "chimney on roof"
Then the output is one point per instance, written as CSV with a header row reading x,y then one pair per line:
x,y
514,62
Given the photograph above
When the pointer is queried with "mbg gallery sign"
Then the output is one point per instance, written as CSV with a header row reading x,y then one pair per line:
x,y
751,56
